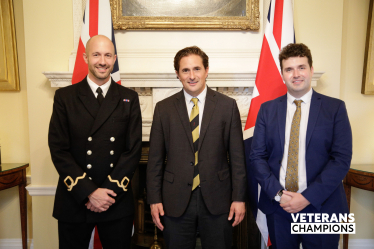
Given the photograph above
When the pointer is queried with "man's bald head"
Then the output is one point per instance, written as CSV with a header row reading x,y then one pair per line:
x,y
100,57
96,39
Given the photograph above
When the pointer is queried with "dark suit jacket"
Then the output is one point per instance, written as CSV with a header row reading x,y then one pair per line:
x,y
328,152
78,125
220,137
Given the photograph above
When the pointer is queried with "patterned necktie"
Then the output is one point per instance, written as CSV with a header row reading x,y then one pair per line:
x,y
100,96
292,174
194,122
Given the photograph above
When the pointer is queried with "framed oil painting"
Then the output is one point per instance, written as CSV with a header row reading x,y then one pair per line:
x,y
368,75
9,80
185,14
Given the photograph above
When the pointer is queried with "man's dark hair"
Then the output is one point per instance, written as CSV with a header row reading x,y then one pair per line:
x,y
295,50
188,51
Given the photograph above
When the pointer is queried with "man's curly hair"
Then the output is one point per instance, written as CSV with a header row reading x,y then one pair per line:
x,y
295,50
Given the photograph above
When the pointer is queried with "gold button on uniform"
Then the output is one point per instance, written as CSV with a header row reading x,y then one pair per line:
x,y
112,152
111,165
89,139
112,139
89,166
89,152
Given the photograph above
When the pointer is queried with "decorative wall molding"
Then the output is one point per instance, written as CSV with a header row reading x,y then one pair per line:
x,y
40,190
78,9
15,243
170,53
153,87
167,80
360,244
162,59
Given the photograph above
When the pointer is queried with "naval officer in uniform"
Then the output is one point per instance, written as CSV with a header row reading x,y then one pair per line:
x,y
95,143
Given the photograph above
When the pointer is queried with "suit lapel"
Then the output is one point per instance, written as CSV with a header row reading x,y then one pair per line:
x,y
315,106
210,104
88,98
180,105
282,113
109,104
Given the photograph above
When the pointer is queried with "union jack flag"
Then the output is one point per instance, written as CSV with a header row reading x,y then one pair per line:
x,y
268,85
97,20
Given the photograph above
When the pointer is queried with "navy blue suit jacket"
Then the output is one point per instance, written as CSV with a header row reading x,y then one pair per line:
x,y
328,152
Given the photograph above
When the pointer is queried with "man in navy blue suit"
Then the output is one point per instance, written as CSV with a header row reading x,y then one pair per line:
x,y
301,151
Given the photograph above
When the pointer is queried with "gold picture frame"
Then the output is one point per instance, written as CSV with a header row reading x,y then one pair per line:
x,y
249,21
368,75
9,78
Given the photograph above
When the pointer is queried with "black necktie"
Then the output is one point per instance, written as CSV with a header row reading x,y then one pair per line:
x,y
100,96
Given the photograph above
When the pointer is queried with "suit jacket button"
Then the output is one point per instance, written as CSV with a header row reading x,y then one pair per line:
x,y
89,152
112,139
192,164
111,165
189,184
89,166
112,152
90,178
89,139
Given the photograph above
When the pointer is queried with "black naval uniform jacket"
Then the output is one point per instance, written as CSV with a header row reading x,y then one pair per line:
x,y
92,147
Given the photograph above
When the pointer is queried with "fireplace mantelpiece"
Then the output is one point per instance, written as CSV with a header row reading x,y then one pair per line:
x,y
153,87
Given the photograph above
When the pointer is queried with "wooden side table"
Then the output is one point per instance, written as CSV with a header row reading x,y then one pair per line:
x,y
359,176
11,175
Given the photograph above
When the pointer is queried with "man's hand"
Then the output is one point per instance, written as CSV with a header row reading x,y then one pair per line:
x,y
285,198
100,200
296,204
237,208
92,207
157,209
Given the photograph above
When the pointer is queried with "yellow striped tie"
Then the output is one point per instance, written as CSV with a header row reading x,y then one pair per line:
x,y
194,122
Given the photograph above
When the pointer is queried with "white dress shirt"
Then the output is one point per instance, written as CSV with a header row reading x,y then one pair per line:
x,y
94,86
291,108
201,103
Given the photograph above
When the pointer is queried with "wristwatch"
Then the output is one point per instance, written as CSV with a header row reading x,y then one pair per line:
x,y
278,195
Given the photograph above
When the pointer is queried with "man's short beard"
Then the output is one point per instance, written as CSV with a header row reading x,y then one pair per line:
x,y
99,76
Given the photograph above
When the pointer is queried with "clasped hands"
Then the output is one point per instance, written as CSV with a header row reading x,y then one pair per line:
x,y
293,202
100,200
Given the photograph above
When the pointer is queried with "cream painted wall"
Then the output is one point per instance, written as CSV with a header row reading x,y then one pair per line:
x,y
14,136
360,108
48,43
318,24
329,28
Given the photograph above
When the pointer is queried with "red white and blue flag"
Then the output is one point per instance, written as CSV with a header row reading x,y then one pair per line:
x,y
97,20
269,85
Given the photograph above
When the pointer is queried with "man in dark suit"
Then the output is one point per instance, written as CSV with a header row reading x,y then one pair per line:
x,y
95,143
301,151
197,130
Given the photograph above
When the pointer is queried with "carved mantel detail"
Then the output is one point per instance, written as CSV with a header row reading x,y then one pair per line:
x,y
153,87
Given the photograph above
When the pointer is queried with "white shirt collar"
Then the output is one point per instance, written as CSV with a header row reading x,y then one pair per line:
x,y
103,87
201,97
306,98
